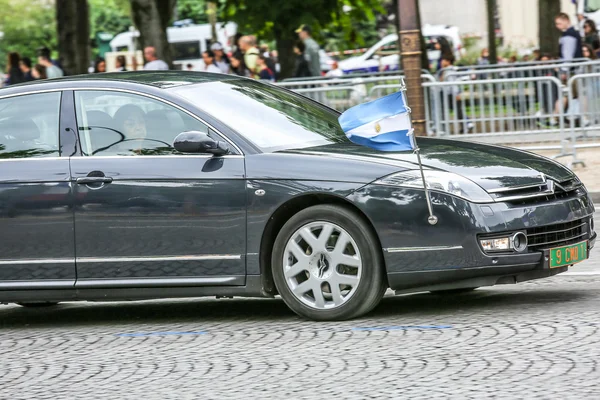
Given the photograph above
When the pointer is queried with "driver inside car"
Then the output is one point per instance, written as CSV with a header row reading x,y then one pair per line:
x,y
130,121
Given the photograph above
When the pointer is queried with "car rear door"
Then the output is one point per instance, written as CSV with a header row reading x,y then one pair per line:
x,y
146,215
36,215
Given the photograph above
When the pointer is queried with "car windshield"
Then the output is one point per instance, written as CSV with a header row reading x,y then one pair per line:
x,y
269,117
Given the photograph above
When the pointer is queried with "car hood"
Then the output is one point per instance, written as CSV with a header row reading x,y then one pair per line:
x,y
491,167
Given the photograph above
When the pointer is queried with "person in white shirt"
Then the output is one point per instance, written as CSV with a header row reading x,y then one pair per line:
x,y
221,59
152,61
335,71
209,62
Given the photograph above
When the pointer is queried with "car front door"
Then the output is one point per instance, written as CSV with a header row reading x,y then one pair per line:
x,y
36,215
146,215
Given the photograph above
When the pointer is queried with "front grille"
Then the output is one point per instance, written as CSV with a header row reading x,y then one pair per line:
x,y
539,193
545,237
545,199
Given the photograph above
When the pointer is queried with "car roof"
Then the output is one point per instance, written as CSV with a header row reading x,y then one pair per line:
x,y
157,79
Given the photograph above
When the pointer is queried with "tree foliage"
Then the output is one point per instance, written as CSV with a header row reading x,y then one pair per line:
x,y
279,22
262,17
192,9
27,25
111,16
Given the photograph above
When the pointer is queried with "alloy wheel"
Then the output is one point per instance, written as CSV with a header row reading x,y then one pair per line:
x,y
322,265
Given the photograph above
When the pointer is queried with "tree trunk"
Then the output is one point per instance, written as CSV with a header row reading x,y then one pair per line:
x,y
285,50
212,18
151,18
549,35
491,16
491,24
424,55
73,26
409,33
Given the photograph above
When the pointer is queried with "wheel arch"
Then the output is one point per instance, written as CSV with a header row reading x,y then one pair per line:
x,y
283,213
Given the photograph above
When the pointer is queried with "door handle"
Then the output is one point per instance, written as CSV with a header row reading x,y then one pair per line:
x,y
94,179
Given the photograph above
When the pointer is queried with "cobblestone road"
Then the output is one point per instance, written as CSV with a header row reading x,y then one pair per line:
x,y
539,339
533,340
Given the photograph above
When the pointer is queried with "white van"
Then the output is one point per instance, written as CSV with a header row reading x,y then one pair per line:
x,y
187,42
372,61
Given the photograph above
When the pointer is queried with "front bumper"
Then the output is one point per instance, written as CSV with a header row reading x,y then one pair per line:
x,y
419,256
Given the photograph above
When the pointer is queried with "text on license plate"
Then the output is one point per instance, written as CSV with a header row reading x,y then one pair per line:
x,y
567,255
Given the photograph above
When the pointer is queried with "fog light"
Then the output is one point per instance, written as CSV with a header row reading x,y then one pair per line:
x,y
519,242
495,244
592,227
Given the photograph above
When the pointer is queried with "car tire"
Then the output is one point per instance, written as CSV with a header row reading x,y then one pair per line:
x,y
40,304
453,291
314,282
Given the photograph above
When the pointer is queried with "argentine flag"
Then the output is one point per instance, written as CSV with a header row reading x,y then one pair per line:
x,y
383,124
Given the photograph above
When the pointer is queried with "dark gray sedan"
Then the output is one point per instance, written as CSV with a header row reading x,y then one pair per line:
x,y
170,184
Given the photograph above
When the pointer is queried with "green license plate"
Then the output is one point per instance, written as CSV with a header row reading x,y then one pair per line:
x,y
568,255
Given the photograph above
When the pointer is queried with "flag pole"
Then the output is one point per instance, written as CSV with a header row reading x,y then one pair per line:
x,y
432,219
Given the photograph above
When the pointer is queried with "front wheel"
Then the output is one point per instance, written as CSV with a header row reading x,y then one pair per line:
x,y
327,264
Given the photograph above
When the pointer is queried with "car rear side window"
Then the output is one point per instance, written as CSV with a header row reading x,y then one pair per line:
x,y
114,123
29,126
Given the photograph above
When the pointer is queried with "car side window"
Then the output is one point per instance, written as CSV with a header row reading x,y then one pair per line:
x,y
123,124
29,126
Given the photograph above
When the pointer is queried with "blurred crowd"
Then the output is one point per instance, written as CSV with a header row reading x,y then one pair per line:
x,y
21,69
246,58
249,59
573,44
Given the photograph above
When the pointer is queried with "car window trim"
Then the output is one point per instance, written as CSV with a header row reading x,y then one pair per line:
x,y
67,135
191,114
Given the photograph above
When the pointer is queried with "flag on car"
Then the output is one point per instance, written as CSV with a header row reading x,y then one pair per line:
x,y
383,124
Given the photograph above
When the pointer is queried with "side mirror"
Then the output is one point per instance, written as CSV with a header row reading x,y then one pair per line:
x,y
199,142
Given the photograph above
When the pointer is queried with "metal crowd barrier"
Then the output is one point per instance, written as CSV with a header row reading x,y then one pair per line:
x,y
352,76
522,112
343,93
561,70
537,113
582,115
527,64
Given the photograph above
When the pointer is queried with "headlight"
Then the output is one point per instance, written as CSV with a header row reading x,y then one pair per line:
x,y
440,181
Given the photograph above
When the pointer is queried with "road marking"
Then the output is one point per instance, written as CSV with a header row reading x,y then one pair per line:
x,y
401,327
143,334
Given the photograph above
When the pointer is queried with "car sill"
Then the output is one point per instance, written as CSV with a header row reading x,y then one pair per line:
x,y
431,248
42,284
234,280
